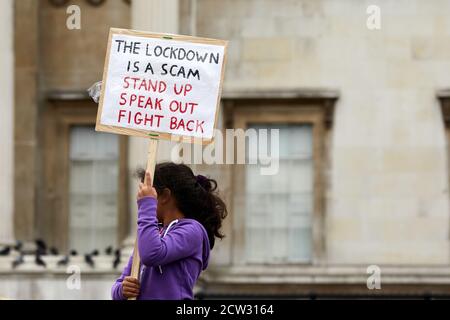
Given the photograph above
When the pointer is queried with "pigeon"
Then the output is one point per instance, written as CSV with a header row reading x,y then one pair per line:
x,y
73,252
88,259
18,245
109,250
54,251
63,262
38,260
18,261
116,259
116,262
5,251
41,247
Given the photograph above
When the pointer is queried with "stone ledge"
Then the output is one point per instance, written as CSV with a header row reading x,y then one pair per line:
x,y
250,274
103,265
443,93
306,93
326,275
67,95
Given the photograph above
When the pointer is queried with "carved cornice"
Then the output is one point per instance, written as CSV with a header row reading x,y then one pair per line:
x,y
323,98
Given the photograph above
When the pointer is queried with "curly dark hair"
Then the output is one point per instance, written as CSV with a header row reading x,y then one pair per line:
x,y
196,196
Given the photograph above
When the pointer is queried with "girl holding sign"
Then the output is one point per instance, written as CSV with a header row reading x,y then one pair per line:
x,y
172,256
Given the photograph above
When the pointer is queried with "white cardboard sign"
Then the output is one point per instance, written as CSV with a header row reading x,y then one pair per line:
x,y
164,85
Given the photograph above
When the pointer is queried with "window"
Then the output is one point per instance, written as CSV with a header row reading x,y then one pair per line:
x,y
93,189
83,194
279,219
279,207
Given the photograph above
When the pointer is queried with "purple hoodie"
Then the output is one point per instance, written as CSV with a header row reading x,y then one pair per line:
x,y
170,263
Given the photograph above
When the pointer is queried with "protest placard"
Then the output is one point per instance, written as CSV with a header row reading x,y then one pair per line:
x,y
161,85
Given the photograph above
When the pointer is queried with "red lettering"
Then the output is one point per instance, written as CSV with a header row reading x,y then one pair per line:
x,y
125,80
173,123
184,89
148,119
187,88
158,103
192,105
199,125
133,98
122,99
149,103
121,114
187,107
180,124
144,84
171,104
188,125
152,120
158,117
140,100
138,118
162,86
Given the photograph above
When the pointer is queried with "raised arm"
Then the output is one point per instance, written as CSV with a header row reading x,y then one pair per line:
x,y
180,242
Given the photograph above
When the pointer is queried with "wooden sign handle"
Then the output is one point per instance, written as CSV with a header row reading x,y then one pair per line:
x,y
151,163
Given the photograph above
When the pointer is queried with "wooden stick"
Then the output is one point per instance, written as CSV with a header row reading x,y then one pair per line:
x,y
151,163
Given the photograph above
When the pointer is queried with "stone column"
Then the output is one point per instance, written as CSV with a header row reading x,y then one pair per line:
x,y
26,65
6,123
155,16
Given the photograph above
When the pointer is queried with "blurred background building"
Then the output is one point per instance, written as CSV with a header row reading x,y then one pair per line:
x,y
363,117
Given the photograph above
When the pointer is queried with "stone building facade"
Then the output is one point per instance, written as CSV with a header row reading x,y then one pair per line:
x,y
364,179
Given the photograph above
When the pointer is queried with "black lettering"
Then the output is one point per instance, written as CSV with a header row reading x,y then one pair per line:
x,y
164,70
215,58
173,53
158,51
193,74
200,58
149,68
181,57
192,53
